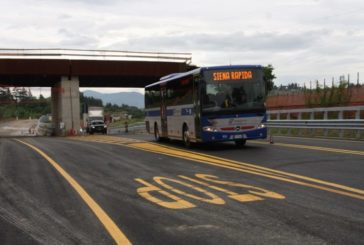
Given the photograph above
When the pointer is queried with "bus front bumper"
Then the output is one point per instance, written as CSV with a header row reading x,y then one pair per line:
x,y
234,136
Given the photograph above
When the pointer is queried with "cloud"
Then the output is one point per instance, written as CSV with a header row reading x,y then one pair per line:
x,y
86,2
225,42
72,39
299,37
298,2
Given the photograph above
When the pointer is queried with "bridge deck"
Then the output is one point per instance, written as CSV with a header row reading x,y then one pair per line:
x,y
43,68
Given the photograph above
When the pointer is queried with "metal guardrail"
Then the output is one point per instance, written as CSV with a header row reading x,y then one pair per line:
x,y
355,124
312,111
94,55
312,124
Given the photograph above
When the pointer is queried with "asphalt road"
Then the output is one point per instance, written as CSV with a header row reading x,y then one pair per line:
x,y
107,189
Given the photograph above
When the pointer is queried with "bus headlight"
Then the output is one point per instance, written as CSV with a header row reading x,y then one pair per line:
x,y
262,125
209,129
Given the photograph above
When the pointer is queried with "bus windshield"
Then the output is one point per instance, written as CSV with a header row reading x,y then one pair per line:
x,y
232,91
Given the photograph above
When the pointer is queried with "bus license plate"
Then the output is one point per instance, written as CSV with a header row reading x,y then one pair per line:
x,y
240,136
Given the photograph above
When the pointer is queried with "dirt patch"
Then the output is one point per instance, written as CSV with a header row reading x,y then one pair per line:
x,y
17,127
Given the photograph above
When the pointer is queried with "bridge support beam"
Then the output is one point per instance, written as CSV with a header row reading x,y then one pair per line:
x,y
66,106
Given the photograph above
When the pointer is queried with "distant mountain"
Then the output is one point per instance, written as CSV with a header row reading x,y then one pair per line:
x,y
126,98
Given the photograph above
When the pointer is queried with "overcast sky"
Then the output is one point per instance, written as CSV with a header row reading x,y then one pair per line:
x,y
303,39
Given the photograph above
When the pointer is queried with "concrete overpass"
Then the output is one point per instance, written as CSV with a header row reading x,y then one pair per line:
x,y
65,70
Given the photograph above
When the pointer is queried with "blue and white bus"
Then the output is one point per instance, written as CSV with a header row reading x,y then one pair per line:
x,y
208,104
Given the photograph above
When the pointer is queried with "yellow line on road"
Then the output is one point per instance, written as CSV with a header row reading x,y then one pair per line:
x,y
109,224
316,148
242,166
346,191
278,173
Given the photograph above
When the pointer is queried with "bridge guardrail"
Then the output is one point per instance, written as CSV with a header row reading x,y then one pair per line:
x,y
83,54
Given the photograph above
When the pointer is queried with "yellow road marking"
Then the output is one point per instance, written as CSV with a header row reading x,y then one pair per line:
x,y
249,168
231,194
251,189
111,139
120,140
316,148
176,203
108,223
278,173
179,203
213,198
226,164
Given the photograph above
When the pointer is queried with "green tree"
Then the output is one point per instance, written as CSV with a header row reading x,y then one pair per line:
x,y
134,111
269,77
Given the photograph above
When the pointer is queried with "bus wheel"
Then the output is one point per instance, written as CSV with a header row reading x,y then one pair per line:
x,y
186,137
157,136
240,143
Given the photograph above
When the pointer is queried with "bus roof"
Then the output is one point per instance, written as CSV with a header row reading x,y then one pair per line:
x,y
173,76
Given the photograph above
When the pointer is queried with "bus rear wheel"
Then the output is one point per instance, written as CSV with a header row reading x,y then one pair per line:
x,y
186,137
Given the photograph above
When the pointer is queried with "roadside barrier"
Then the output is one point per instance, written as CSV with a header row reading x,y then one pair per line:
x,y
325,119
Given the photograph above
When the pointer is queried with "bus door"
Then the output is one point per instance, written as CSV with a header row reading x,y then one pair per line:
x,y
164,126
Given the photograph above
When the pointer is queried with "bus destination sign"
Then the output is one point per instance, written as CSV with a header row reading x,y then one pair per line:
x,y
232,75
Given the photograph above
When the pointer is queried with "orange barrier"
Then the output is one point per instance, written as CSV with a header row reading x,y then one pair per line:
x,y
72,132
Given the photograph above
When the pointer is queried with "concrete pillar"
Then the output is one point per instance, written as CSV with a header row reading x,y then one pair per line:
x,y
66,106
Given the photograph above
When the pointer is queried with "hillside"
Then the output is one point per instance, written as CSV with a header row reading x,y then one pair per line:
x,y
126,98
